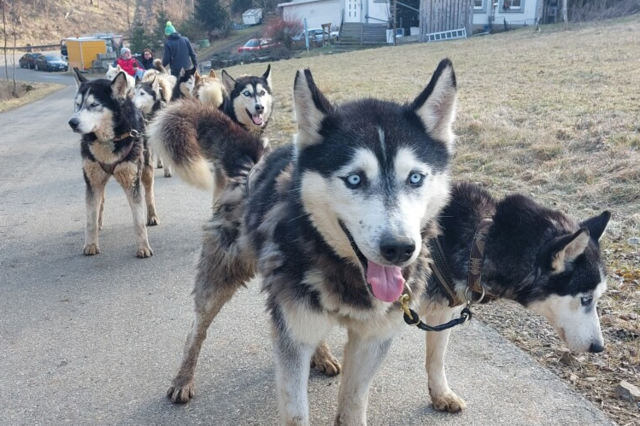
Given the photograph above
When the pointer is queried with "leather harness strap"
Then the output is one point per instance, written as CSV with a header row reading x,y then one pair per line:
x,y
111,167
442,275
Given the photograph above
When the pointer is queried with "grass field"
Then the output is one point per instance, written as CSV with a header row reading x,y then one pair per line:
x,y
553,114
29,92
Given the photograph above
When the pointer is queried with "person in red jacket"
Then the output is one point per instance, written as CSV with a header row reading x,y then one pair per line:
x,y
129,64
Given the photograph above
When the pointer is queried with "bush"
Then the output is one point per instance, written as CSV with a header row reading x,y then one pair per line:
x,y
283,30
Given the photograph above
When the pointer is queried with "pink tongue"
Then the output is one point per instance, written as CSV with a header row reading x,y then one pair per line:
x,y
257,119
386,282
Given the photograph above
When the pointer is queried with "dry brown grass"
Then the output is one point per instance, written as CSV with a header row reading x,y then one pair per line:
x,y
28,92
554,115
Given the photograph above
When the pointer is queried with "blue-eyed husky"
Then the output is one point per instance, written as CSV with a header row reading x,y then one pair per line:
x,y
336,224
113,144
543,259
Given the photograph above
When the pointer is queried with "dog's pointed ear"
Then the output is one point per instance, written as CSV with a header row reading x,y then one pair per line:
x,y
267,76
119,87
78,77
567,248
228,81
137,80
310,106
155,84
436,105
212,73
182,72
597,225
191,71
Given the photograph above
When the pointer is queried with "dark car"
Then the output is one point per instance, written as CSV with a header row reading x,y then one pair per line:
x,y
51,63
28,60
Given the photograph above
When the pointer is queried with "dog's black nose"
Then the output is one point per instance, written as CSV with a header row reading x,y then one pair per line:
x,y
74,123
259,109
397,250
596,348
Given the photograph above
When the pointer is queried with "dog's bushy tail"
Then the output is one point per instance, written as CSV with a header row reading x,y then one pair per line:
x,y
192,137
157,64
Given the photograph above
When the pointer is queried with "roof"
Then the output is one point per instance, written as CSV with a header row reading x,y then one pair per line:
x,y
295,3
252,12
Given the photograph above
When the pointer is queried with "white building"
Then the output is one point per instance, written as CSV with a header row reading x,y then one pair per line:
x,y
318,12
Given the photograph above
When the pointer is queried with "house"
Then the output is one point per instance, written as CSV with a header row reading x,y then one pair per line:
x,y
318,12
512,13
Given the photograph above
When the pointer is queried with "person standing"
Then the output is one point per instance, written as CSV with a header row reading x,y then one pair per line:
x,y
178,53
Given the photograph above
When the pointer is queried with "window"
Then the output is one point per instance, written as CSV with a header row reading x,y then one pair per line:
x,y
478,5
512,5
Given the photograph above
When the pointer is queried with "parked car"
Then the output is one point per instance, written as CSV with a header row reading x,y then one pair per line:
x,y
257,44
315,35
28,60
51,63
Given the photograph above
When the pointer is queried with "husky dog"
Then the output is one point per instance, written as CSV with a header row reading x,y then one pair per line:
x,y
250,100
113,145
112,72
151,95
208,89
541,258
336,225
185,83
179,127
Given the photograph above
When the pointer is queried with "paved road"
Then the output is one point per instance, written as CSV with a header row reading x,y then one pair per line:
x,y
96,340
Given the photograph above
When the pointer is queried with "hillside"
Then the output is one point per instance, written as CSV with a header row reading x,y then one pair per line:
x,y
47,22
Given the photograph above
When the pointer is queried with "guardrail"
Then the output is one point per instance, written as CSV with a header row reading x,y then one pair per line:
x,y
30,48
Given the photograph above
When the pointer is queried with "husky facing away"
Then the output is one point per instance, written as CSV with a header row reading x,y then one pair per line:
x,y
178,130
336,225
112,144
541,258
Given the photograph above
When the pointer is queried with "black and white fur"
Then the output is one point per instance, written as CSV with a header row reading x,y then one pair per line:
x,y
541,258
185,84
151,95
249,100
179,130
104,115
336,225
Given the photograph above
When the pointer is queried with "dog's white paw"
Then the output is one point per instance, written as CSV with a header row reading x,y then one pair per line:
x,y
449,402
159,165
167,172
153,220
180,394
91,249
144,252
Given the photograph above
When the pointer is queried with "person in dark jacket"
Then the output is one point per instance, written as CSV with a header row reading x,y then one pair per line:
x,y
178,53
147,59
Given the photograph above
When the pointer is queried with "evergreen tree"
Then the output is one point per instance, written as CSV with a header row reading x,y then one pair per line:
x,y
156,40
212,14
139,39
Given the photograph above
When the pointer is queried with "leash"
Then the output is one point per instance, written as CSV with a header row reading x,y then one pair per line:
x,y
443,277
412,318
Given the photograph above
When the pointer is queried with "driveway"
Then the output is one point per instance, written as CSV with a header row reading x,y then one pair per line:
x,y
96,340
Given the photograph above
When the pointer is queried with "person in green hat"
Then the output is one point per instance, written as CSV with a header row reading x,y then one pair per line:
x,y
178,52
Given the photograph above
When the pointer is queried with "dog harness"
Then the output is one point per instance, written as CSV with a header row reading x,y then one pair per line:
x,y
111,167
443,277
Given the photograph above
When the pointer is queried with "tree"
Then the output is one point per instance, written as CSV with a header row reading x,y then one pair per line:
x,y
138,40
239,6
212,14
156,38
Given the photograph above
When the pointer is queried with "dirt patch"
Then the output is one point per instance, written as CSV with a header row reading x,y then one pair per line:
x,y
28,92
551,114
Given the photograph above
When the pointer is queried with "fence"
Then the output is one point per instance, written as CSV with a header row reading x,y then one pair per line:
x,y
437,16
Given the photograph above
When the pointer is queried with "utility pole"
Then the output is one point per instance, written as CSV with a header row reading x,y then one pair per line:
x,y
395,20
